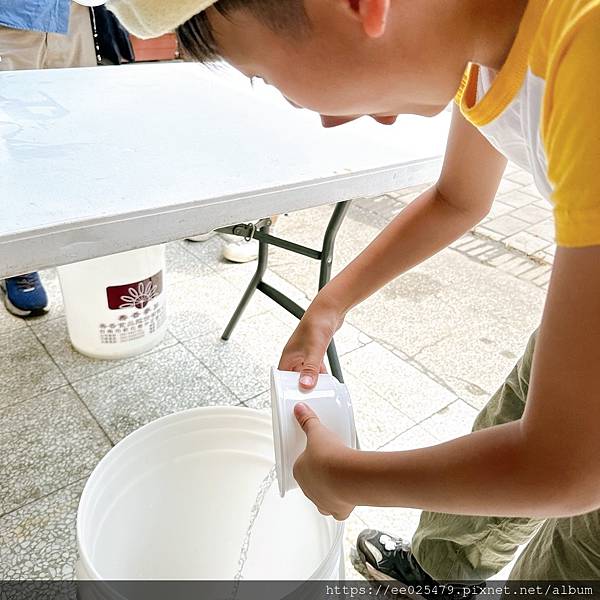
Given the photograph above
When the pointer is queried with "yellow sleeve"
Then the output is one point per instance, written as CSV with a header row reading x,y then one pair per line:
x,y
572,135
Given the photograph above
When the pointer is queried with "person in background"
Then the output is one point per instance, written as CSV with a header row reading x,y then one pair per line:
x,y
43,34
113,45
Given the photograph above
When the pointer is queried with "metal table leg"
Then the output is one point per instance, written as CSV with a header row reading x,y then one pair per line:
x,y
263,257
325,256
331,232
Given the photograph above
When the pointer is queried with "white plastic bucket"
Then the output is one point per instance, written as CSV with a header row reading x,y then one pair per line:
x,y
116,305
172,501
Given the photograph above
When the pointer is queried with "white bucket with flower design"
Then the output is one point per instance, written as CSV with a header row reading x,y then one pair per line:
x,y
116,305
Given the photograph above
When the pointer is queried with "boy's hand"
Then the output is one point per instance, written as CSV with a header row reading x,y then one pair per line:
x,y
319,468
307,346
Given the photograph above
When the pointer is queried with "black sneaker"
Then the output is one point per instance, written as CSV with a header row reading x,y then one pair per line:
x,y
383,557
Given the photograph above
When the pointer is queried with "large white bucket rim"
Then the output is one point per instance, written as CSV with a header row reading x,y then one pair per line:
x,y
158,424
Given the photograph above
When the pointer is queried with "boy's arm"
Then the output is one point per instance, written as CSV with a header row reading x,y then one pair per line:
x,y
544,465
462,197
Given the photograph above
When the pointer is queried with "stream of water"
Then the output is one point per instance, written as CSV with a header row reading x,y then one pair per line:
x,y
254,512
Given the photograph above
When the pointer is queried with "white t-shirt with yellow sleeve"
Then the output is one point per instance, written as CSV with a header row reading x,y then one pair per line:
x,y
542,110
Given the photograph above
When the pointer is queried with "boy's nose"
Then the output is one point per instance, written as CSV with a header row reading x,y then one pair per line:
x,y
388,120
328,121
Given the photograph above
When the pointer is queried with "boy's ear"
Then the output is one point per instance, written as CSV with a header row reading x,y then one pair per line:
x,y
372,14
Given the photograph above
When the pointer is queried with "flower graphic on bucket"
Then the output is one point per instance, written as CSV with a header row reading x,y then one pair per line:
x,y
135,295
139,296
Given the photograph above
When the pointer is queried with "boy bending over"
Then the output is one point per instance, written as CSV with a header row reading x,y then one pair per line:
x,y
527,86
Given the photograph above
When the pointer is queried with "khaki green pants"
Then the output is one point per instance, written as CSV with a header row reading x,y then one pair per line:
x,y
456,547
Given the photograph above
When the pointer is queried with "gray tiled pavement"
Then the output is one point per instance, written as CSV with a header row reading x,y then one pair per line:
x,y
45,443
420,358
131,395
27,369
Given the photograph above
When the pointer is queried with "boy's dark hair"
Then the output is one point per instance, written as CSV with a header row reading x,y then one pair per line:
x,y
196,37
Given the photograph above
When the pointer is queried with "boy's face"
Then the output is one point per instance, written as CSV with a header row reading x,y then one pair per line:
x,y
340,69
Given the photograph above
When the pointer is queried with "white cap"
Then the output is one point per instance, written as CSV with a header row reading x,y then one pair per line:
x,y
153,18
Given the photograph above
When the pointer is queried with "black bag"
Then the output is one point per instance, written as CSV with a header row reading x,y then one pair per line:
x,y
113,46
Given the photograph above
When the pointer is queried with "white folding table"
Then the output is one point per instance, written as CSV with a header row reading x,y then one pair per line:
x,y
102,160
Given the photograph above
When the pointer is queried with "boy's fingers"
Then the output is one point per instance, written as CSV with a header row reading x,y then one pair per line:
x,y
306,417
308,380
310,373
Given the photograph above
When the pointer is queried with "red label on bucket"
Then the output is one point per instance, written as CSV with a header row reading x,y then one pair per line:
x,y
134,295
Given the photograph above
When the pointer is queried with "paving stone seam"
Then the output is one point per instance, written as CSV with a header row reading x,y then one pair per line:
x,y
43,497
411,360
218,331
405,432
70,385
433,344
121,363
112,444
33,321
411,419
419,423
217,377
53,362
433,376
414,362
245,402
33,397
360,347
117,363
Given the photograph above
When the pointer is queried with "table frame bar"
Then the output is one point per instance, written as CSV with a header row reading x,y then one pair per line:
x,y
260,232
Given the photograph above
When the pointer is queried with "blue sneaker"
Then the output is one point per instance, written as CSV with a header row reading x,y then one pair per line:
x,y
24,295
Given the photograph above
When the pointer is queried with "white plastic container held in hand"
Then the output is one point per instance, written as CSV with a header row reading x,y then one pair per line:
x,y
331,402
116,305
